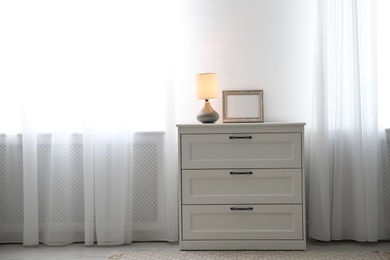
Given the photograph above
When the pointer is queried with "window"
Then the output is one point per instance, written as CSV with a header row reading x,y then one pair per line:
x,y
63,60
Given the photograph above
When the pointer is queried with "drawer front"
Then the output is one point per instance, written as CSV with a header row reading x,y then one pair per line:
x,y
207,151
255,186
201,222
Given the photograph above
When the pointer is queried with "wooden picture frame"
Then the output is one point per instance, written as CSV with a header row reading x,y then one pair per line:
x,y
243,106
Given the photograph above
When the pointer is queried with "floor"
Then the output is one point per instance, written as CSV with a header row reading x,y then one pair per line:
x,y
80,251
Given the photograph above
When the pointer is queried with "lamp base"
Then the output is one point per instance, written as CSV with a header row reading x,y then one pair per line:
x,y
207,115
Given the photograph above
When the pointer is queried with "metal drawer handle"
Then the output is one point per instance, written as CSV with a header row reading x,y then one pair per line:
x,y
241,208
240,137
241,173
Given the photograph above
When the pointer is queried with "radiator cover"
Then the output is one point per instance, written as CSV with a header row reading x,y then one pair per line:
x,y
56,162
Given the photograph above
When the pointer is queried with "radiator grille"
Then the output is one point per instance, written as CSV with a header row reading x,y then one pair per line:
x,y
60,168
11,192
55,177
144,184
385,159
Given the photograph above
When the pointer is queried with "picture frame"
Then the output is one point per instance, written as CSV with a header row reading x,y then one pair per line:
x,y
243,106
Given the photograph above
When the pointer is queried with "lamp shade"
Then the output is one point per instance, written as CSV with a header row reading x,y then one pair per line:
x,y
206,85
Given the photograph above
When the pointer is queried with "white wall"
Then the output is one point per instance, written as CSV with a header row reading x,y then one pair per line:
x,y
251,44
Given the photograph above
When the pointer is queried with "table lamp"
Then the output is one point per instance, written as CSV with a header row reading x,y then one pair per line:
x,y
207,88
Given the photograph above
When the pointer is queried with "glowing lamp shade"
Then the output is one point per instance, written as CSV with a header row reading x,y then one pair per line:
x,y
207,88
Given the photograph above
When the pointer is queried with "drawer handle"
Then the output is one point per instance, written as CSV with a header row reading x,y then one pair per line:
x,y
241,173
241,208
240,137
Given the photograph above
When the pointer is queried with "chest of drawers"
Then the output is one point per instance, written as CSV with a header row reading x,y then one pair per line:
x,y
241,186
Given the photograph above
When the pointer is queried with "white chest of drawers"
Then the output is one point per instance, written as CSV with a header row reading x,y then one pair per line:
x,y
241,186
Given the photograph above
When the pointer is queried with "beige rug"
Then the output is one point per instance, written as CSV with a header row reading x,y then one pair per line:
x,y
251,255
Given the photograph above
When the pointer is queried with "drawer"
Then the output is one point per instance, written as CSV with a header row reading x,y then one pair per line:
x,y
255,186
226,222
207,151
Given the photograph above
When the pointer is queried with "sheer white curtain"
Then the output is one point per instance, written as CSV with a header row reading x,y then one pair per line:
x,y
345,179
81,81
383,38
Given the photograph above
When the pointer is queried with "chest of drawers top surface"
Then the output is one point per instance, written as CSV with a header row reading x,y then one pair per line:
x,y
241,127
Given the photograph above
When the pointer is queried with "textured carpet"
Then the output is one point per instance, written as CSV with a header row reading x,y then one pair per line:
x,y
251,255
